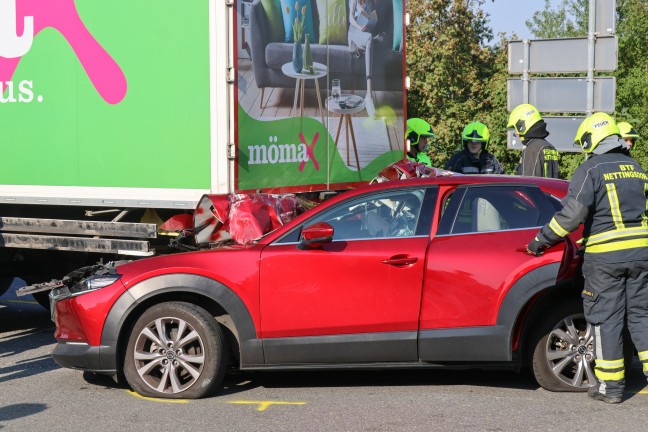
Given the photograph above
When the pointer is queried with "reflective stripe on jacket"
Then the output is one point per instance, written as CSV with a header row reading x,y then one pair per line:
x,y
608,194
539,159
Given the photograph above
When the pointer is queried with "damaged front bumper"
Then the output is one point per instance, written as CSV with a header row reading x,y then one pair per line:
x,y
68,286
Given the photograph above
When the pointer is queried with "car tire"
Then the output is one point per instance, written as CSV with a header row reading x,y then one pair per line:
x,y
562,355
161,363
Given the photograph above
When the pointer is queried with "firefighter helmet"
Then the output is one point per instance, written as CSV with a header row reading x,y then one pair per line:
x,y
522,118
417,127
476,131
595,129
627,131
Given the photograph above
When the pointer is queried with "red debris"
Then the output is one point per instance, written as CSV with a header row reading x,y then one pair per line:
x,y
179,222
242,218
407,169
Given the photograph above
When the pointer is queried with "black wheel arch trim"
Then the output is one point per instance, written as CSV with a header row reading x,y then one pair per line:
x,y
251,349
523,290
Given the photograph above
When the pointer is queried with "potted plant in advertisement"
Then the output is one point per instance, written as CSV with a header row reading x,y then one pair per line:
x,y
308,57
298,32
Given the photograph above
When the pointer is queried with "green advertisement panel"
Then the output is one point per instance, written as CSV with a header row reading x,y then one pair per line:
x,y
109,94
320,91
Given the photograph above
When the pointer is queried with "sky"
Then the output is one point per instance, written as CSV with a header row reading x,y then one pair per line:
x,y
509,15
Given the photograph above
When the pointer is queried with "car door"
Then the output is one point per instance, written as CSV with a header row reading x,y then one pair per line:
x,y
475,256
356,298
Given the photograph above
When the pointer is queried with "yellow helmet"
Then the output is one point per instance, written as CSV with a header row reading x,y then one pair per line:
x,y
476,131
627,131
522,118
594,129
417,127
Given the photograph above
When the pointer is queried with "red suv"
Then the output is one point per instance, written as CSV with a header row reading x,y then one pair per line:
x,y
420,273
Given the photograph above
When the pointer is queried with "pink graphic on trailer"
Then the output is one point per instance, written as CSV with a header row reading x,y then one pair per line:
x,y
105,74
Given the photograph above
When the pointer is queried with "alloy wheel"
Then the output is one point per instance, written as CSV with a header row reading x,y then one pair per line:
x,y
169,355
570,351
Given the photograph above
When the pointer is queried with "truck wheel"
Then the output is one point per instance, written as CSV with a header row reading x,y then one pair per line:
x,y
42,298
176,350
5,284
563,349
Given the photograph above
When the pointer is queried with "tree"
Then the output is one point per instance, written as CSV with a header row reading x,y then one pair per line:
x,y
632,73
457,78
454,77
569,19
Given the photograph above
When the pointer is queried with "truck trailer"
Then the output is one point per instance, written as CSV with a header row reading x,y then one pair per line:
x,y
116,116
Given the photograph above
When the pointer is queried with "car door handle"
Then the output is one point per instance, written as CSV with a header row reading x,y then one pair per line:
x,y
400,260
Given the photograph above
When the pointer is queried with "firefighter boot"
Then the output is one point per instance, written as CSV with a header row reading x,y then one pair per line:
x,y
596,395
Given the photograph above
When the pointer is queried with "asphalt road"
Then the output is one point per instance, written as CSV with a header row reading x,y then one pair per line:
x,y
37,395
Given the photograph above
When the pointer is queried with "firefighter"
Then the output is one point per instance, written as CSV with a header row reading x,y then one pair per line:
x,y
418,134
474,158
628,133
539,158
607,194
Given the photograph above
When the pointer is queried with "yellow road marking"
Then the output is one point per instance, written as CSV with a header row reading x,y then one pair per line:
x,y
265,404
644,391
178,401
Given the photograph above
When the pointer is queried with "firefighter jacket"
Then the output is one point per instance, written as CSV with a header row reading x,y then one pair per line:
x,y
420,158
608,195
467,163
539,159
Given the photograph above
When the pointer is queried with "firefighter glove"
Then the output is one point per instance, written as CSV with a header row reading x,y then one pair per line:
x,y
535,248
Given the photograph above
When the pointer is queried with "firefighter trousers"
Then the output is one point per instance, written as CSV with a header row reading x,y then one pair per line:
x,y
612,294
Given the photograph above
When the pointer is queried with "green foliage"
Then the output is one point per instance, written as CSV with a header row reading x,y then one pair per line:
x,y
456,78
569,162
569,19
632,74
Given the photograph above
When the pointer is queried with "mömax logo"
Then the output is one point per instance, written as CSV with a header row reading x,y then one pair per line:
x,y
310,149
274,153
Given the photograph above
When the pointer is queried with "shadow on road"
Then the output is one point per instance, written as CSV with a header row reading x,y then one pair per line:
x,y
14,319
523,380
27,368
24,326
22,313
16,411
381,378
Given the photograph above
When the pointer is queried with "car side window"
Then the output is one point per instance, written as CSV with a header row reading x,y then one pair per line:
x,y
495,208
386,215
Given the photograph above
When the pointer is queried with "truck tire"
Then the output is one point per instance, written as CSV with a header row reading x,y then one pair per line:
x,y
5,284
42,298
175,350
562,354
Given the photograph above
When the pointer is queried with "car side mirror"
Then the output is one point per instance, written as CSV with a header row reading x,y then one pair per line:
x,y
315,235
